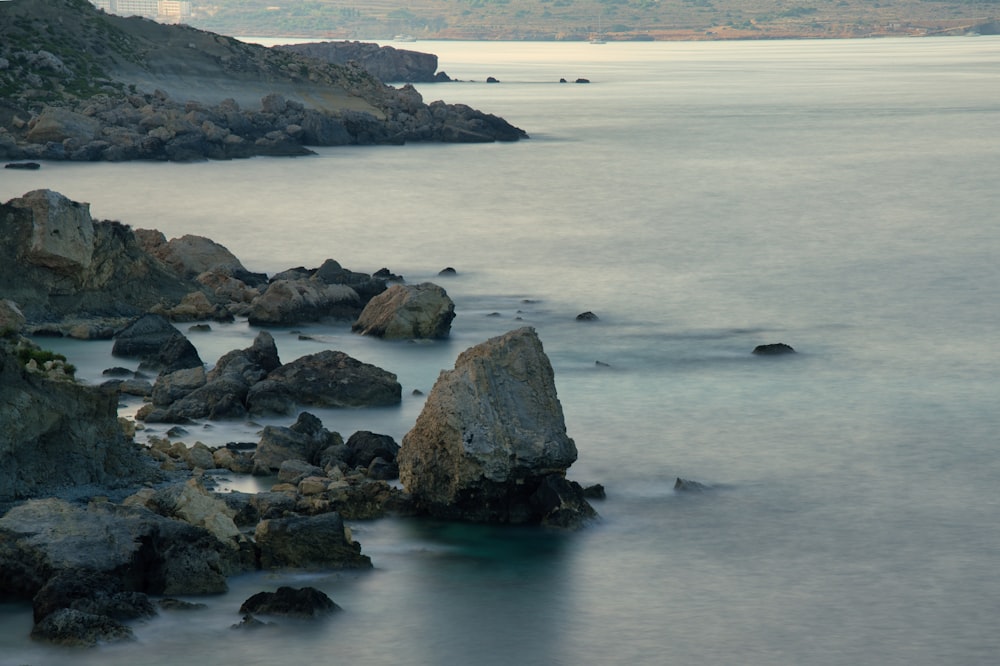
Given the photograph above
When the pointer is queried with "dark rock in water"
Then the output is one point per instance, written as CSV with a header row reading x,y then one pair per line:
x,y
305,440
561,503
250,622
595,491
30,166
386,274
686,486
154,340
492,79
773,349
308,542
587,316
306,602
90,592
118,371
562,81
447,272
385,63
334,379
73,628
582,81
364,446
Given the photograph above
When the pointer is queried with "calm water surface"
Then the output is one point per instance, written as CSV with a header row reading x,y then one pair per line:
x,y
701,199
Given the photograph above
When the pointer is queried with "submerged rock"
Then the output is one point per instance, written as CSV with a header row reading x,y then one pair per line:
x,y
773,349
490,434
306,602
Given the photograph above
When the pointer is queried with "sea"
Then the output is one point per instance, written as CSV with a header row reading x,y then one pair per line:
x,y
701,198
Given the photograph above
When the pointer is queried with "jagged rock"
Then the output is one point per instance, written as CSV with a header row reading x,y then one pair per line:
x,y
62,234
490,433
294,470
306,602
689,486
190,502
57,433
173,386
189,255
334,379
408,311
315,542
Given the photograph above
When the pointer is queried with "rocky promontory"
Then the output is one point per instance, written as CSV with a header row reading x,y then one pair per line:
x,y
385,63
93,86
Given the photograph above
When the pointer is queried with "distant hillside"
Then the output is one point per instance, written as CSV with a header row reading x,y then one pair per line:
x,y
578,19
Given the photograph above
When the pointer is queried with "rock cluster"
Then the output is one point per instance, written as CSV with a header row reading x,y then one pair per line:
x,y
490,444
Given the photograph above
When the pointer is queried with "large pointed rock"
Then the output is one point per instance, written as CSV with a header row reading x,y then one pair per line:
x,y
490,434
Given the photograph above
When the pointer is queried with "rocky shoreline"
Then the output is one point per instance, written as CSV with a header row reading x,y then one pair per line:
x,y
103,87
96,523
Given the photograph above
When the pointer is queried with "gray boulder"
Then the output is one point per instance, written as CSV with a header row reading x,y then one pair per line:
x,y
289,302
304,441
306,602
491,432
407,312
74,628
154,341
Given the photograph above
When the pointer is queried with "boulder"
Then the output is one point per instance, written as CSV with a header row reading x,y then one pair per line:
x,y
364,446
308,543
90,592
57,124
190,502
173,386
490,433
190,256
154,341
406,312
334,379
306,602
62,234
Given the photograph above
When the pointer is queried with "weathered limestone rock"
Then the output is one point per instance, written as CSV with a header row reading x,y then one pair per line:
x,y
315,542
62,235
193,504
491,431
304,441
190,256
408,311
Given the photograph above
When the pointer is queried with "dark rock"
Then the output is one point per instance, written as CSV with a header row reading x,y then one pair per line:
x,y
303,441
689,486
251,623
314,542
334,379
492,79
385,63
31,166
595,491
306,602
364,446
773,349
447,272
582,81
561,503
90,592
74,628
587,316
154,340
171,604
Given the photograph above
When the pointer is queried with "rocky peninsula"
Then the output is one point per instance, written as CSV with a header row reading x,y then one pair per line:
x,y
79,84
96,525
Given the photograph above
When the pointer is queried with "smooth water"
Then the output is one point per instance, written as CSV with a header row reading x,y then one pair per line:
x,y
702,198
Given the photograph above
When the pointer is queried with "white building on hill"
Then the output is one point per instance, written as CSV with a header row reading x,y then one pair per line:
x,y
168,10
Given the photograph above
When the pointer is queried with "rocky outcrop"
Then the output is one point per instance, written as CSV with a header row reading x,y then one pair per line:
x,y
385,63
171,92
304,441
59,265
57,433
489,438
253,381
157,344
406,312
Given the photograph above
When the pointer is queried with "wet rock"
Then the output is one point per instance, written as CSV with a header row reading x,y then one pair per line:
x,y
303,441
773,349
334,379
364,446
308,542
306,602
74,628
689,486
587,316
153,339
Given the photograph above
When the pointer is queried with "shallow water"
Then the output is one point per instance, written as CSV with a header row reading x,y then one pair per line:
x,y
701,199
